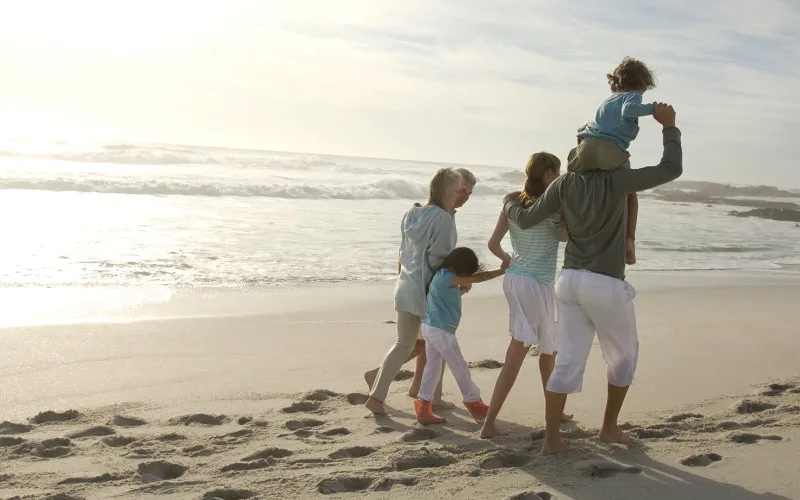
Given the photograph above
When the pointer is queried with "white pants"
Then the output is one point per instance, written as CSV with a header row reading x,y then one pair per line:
x,y
441,345
531,312
588,303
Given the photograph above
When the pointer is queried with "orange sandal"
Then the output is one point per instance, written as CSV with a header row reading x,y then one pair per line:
x,y
478,410
425,414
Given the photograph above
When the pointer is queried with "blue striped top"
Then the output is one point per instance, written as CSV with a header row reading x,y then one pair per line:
x,y
535,250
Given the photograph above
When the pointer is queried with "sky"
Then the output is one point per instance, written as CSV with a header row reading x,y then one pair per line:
x,y
463,81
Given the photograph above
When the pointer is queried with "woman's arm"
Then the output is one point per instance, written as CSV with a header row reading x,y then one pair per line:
x,y
477,278
495,242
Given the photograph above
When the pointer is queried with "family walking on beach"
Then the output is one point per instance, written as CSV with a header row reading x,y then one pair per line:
x,y
593,207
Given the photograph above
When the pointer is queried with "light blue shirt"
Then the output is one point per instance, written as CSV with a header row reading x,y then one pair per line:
x,y
617,119
444,302
535,250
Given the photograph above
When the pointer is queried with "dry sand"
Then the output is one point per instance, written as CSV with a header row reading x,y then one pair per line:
x,y
270,406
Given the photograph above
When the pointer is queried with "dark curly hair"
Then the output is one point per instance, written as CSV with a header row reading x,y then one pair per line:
x,y
631,74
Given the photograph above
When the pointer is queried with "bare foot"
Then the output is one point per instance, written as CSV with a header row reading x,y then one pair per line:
x,y
554,446
370,376
375,406
566,417
489,431
443,405
630,252
615,436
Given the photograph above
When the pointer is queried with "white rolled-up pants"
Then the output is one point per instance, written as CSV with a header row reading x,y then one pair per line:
x,y
590,303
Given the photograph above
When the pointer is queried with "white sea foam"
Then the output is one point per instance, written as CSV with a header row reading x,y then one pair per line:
x,y
389,188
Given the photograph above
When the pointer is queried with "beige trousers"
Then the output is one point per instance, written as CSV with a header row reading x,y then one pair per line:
x,y
597,154
408,331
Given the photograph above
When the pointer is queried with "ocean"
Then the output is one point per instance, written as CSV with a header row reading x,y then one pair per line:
x,y
115,214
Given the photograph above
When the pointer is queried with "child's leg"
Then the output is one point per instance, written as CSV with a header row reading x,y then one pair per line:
x,y
633,215
515,356
430,374
447,344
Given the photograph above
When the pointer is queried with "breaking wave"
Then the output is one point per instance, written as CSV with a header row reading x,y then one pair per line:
x,y
389,188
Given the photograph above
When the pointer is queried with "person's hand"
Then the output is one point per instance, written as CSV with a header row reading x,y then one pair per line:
x,y
509,196
506,262
664,114
465,288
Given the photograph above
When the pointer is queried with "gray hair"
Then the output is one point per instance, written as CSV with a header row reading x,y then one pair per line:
x,y
442,182
467,176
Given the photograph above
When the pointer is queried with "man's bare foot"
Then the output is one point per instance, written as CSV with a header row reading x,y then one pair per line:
x,y
489,431
630,252
375,406
443,405
615,436
551,447
566,417
370,376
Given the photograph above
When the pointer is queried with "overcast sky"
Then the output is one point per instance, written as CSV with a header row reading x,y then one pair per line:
x,y
470,81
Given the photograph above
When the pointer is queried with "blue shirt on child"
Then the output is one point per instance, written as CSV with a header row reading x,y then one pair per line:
x,y
443,302
617,119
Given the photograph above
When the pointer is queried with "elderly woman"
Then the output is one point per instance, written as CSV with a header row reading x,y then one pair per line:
x,y
592,295
428,235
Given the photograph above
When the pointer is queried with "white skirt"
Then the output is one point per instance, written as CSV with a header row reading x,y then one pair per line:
x,y
531,312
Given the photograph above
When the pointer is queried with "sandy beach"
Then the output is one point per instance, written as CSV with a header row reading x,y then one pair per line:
x,y
237,395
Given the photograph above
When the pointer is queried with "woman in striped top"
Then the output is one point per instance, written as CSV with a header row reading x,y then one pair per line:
x,y
528,286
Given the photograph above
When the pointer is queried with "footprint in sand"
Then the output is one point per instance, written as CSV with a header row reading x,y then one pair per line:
x,y
244,420
505,459
300,433
338,431
419,434
748,406
403,375
305,423
651,433
320,395
344,484
160,470
124,421
602,469
245,466
748,438
235,437
530,495
12,428
118,441
199,419
60,496
229,494
47,417
52,448
198,450
303,407
355,398
98,431
171,437
422,459
7,442
268,453
388,483
383,429
103,478
775,389
680,417
486,364
352,452
701,460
